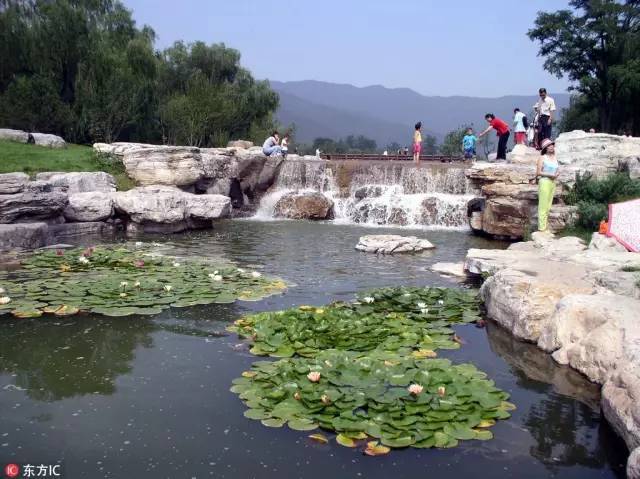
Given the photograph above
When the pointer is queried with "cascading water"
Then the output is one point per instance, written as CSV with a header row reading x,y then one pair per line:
x,y
378,193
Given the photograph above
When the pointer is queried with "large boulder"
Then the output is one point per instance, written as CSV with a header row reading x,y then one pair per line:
x,y
164,165
22,235
39,202
19,136
601,242
89,206
390,244
523,154
13,183
80,182
50,141
304,206
244,144
119,148
167,209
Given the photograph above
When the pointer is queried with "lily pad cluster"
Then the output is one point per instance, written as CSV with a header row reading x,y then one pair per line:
x,y
120,281
390,319
399,401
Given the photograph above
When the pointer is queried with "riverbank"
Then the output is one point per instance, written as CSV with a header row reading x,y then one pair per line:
x,y
581,304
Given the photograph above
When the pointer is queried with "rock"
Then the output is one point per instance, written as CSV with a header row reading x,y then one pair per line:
x,y
370,191
19,136
119,148
164,165
389,244
633,464
166,209
80,182
304,206
520,191
74,232
603,243
506,217
13,182
244,144
89,206
51,141
37,203
522,154
22,235
449,269
596,334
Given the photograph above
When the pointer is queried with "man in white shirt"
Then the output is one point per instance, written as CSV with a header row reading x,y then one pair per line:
x,y
546,109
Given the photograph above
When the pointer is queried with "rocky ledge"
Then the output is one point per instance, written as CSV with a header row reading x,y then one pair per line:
x,y
579,303
390,244
507,207
58,206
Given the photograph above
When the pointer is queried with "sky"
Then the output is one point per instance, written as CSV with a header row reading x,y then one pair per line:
x,y
451,47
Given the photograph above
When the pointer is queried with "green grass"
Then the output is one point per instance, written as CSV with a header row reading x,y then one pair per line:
x,y
32,159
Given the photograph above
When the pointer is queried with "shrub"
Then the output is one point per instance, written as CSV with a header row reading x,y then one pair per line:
x,y
592,196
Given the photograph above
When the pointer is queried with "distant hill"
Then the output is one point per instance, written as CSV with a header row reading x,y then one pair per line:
x,y
386,114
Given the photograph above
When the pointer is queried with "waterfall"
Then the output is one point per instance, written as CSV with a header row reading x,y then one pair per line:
x,y
379,192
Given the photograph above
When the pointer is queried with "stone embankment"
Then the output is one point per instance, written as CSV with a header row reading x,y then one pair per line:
x,y
581,304
507,207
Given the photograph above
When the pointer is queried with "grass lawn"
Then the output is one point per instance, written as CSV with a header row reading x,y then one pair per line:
x,y
32,159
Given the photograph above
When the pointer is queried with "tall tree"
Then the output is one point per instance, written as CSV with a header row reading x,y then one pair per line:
x,y
452,144
596,45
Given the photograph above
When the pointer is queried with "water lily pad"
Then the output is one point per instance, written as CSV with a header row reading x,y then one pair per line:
x,y
321,438
345,441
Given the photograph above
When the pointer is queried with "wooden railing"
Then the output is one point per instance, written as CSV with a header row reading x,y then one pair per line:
x,y
392,157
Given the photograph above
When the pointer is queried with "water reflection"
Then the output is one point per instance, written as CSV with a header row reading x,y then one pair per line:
x,y
53,359
562,429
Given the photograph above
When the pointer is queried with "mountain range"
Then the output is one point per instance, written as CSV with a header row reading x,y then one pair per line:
x,y
323,109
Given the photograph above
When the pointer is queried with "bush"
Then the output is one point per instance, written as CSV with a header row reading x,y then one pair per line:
x,y
592,196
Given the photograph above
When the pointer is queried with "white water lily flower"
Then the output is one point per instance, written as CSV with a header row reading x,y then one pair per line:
x,y
176,265
216,277
440,301
1,290
422,305
83,260
240,270
5,299
415,389
314,376
368,299
123,295
424,310
124,284
137,284
406,295
168,287
139,243
255,274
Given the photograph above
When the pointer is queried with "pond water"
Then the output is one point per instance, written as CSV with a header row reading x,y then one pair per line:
x,y
142,397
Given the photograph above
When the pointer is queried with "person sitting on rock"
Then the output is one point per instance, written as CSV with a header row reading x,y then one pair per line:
x,y
546,174
271,146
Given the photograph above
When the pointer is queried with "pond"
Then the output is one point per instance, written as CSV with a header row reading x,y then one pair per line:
x,y
148,397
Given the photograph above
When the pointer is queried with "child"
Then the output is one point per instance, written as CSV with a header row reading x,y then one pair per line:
x,y
417,143
469,144
284,144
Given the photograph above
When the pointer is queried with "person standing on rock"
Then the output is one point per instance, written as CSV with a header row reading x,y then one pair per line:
x,y
546,108
502,129
271,145
417,143
546,174
520,125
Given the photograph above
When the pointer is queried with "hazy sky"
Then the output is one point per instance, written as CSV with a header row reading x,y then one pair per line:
x,y
451,47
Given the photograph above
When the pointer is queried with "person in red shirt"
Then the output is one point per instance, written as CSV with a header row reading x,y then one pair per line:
x,y
503,134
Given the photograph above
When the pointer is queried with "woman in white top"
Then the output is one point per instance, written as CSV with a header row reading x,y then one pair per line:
x,y
271,147
546,174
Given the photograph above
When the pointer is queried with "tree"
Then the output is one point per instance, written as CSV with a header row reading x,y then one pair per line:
x,y
430,145
596,45
452,144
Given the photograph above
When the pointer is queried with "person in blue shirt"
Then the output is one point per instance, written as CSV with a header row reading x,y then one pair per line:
x,y
469,144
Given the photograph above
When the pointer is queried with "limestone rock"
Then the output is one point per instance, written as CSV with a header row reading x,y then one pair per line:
x,y
80,182
633,464
244,144
164,165
72,232
304,206
449,269
89,206
19,136
522,154
37,203
22,235
13,182
119,148
50,141
390,244
167,209
620,399
603,243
